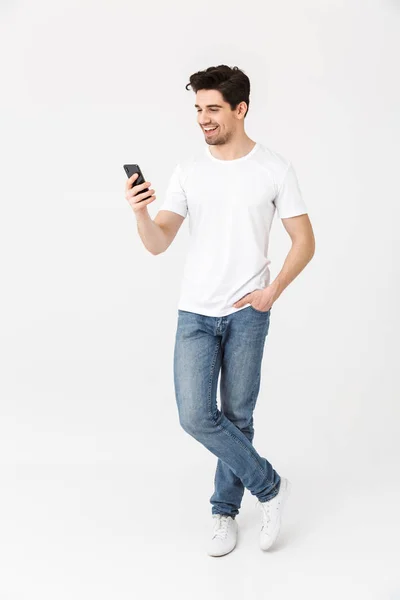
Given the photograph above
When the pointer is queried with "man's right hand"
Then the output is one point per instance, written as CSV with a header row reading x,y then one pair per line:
x,y
135,195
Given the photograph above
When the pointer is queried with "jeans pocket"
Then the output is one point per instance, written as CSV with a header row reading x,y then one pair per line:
x,y
261,312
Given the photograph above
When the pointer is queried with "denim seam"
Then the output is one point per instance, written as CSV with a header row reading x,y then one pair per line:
x,y
253,393
215,474
217,348
220,425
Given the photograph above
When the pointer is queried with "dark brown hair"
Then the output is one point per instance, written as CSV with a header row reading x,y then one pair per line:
x,y
232,83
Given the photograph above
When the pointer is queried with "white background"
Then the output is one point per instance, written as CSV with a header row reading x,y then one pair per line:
x,y
102,494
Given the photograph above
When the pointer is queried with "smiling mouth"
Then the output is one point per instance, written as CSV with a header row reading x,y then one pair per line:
x,y
210,131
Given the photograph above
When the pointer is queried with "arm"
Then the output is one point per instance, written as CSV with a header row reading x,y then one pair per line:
x,y
158,234
294,215
303,248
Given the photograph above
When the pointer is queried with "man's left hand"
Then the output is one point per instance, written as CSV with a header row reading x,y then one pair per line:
x,y
259,299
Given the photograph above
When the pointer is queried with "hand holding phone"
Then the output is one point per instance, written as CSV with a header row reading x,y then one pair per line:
x,y
136,188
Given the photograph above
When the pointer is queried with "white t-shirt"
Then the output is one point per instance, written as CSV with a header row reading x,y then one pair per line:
x,y
231,205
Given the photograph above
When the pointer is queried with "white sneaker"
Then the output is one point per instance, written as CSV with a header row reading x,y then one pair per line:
x,y
224,535
272,515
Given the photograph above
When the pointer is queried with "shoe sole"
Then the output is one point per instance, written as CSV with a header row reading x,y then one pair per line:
x,y
266,545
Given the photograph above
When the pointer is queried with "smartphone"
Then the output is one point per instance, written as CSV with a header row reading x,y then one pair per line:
x,y
131,170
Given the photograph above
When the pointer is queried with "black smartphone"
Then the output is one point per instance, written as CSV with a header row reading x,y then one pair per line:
x,y
131,170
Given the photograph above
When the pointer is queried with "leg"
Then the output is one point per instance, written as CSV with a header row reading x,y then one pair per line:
x,y
197,361
242,352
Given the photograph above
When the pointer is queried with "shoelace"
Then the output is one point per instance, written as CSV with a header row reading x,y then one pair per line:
x,y
266,512
221,526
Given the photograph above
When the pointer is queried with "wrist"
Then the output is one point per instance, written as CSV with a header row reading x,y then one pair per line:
x,y
142,214
278,286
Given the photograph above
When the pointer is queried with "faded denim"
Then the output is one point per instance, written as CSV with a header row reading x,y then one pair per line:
x,y
229,347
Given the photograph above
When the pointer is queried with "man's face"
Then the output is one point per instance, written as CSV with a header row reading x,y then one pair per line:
x,y
213,111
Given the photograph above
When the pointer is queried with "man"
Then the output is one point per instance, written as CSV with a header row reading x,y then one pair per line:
x,y
230,190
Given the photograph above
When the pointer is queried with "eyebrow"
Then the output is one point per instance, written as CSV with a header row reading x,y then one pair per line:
x,y
208,105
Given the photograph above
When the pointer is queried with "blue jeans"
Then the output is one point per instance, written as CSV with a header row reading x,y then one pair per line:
x,y
234,346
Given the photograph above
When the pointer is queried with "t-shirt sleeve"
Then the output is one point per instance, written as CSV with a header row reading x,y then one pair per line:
x,y
289,200
175,197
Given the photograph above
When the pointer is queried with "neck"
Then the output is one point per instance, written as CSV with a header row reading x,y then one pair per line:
x,y
233,149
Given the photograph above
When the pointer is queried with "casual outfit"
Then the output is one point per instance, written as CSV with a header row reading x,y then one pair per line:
x,y
231,346
231,205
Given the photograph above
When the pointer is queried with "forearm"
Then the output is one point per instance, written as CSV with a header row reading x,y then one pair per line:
x,y
298,257
151,234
